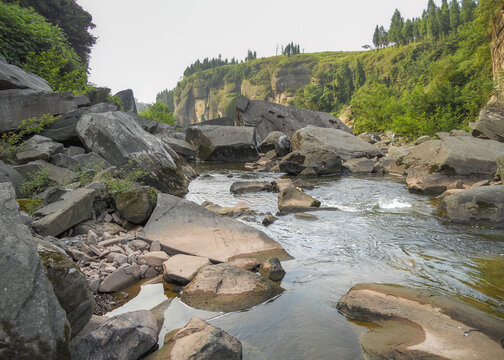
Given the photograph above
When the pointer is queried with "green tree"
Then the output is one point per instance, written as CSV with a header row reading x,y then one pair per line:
x,y
467,11
408,31
159,112
384,40
433,27
376,38
454,15
444,18
360,75
396,26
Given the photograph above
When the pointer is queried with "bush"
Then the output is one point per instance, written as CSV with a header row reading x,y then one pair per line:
x,y
159,112
39,182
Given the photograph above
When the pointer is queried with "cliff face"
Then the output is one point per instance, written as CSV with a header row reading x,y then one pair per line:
x,y
497,47
213,94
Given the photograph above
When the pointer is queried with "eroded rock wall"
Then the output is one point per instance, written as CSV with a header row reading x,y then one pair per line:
x,y
497,48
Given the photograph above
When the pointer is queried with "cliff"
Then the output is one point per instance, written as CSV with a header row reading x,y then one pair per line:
x,y
497,48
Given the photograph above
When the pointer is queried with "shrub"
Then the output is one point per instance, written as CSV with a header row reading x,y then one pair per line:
x,y
159,112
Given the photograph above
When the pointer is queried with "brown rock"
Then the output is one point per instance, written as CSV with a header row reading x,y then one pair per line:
x,y
181,269
156,258
272,269
293,200
249,264
120,279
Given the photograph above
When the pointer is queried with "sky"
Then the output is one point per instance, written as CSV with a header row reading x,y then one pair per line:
x,y
146,45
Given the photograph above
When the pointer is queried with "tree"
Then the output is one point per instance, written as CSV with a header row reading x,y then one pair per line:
x,y
396,26
467,11
432,20
376,37
454,15
444,18
159,112
360,75
384,41
408,31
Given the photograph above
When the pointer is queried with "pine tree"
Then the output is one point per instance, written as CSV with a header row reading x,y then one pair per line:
x,y
454,15
432,20
384,41
467,11
360,75
444,18
395,30
376,37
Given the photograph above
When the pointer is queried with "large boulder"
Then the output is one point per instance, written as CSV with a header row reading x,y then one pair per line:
x,y
13,77
346,145
33,324
121,278
69,284
119,139
480,206
223,143
17,105
127,100
56,174
181,147
9,175
185,227
199,340
136,205
127,336
242,187
91,161
277,141
421,324
323,160
64,128
490,124
74,207
266,117
434,165
38,148
292,200
224,287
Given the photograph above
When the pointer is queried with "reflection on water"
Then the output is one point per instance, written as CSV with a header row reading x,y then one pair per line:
x,y
381,233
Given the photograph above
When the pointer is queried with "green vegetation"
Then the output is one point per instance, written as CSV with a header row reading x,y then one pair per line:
x,y
291,49
28,40
38,182
29,206
436,77
159,112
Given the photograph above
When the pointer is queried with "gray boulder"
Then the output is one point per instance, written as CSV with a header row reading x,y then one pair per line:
x,y
69,284
64,161
360,166
32,323
98,95
346,145
266,117
17,105
74,150
91,161
127,336
136,205
226,288
149,125
9,175
56,174
199,340
121,278
480,206
182,226
64,128
38,148
223,143
181,147
241,187
490,124
119,139
127,100
323,160
434,165
277,141
73,208
13,77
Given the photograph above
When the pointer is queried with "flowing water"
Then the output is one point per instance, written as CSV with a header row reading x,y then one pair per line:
x,y
381,233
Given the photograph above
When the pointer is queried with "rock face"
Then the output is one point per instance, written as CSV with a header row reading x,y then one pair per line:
x,y
38,148
32,323
292,200
9,175
127,100
420,324
277,141
17,105
135,205
127,337
181,269
118,138
490,124
266,117
500,168
225,288
73,208
346,145
223,143
69,285
186,227
13,77
435,164
481,206
324,161
199,340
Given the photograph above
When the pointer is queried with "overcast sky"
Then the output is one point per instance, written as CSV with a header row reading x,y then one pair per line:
x,y
146,45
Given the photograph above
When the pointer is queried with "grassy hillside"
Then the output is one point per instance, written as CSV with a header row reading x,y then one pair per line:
x,y
419,88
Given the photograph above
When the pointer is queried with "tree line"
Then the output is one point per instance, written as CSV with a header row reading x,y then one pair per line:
x,y
434,24
216,62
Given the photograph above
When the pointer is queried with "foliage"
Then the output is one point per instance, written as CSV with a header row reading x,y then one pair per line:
x,y
37,183
29,206
29,41
159,112
167,97
291,49
71,18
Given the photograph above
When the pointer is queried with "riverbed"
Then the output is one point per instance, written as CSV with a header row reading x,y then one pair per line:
x,y
373,230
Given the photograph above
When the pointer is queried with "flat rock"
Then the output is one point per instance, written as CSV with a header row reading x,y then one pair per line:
x,y
223,143
59,175
120,279
38,148
421,324
249,264
74,207
292,200
360,166
185,227
322,160
199,340
239,209
13,77
226,288
241,187
91,161
266,117
181,147
156,258
181,269
479,206
32,322
119,139
127,336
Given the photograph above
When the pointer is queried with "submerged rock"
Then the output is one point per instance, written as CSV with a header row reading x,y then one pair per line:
x,y
182,226
199,340
226,288
420,324
241,187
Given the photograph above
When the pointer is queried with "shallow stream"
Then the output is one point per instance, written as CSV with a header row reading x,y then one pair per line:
x,y
381,233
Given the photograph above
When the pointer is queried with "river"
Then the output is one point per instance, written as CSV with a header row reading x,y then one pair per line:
x,y
381,233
